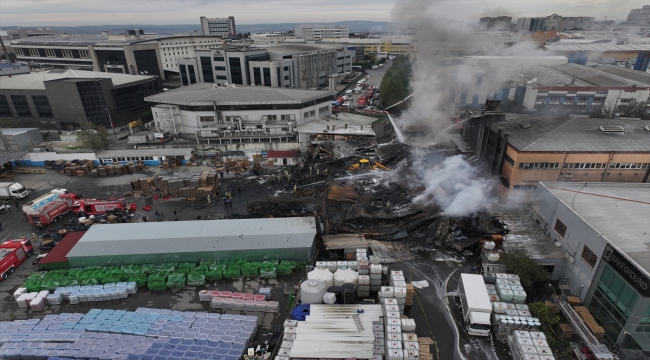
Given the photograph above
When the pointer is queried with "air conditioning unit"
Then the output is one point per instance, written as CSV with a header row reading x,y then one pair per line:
x,y
611,129
568,176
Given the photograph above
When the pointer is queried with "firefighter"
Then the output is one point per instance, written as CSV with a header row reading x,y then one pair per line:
x,y
34,238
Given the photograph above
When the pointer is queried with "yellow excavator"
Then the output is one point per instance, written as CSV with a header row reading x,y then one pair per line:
x,y
365,164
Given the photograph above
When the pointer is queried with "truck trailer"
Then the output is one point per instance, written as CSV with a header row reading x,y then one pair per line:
x,y
476,304
12,254
86,207
12,190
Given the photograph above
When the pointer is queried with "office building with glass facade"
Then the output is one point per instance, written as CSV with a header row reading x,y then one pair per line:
x,y
604,228
61,99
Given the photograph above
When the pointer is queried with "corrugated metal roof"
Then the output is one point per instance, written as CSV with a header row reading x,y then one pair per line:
x,y
618,211
196,236
145,152
595,47
579,134
329,331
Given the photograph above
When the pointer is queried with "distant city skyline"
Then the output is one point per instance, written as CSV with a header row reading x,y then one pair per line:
x,y
28,13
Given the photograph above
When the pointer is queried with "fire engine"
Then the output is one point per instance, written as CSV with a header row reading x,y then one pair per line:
x,y
86,207
12,254
50,207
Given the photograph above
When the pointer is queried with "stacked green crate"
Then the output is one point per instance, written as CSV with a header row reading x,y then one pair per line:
x,y
285,268
33,282
251,269
176,280
157,282
215,272
195,279
268,271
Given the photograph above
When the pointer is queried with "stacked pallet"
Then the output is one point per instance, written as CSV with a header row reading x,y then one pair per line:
x,y
425,348
410,290
135,184
589,320
565,331
189,184
237,165
74,168
573,300
147,186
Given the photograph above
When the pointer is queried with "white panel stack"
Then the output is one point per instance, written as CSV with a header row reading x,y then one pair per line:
x,y
526,345
364,286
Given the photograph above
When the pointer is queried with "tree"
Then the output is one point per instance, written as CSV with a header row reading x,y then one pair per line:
x,y
395,86
8,123
93,137
519,262
145,117
541,311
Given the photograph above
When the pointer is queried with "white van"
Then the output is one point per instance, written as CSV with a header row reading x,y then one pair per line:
x,y
349,92
375,67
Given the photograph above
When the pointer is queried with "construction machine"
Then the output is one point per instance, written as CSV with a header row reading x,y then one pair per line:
x,y
365,163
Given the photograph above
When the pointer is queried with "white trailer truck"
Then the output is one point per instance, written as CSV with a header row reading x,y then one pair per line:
x,y
11,190
476,304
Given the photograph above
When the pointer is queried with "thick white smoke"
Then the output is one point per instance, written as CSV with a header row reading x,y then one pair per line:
x,y
455,186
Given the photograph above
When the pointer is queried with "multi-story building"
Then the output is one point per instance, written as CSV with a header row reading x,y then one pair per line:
x,y
531,24
132,52
300,66
602,228
388,45
62,99
23,33
238,113
576,23
581,99
552,23
523,149
311,33
639,16
271,38
499,23
218,26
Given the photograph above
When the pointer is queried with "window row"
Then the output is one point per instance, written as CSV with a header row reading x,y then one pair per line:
x,y
281,117
585,165
324,109
539,165
309,114
66,53
128,158
629,165
509,160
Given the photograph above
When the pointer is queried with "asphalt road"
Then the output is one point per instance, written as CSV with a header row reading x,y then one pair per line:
x,y
375,79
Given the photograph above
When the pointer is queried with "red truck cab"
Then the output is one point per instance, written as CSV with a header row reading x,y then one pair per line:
x,y
12,254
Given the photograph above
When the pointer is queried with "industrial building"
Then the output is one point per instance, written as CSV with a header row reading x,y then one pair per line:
x,y
238,113
581,99
218,26
13,69
20,139
312,33
499,23
152,157
132,52
603,230
639,16
387,45
581,53
61,99
523,149
270,38
299,66
193,241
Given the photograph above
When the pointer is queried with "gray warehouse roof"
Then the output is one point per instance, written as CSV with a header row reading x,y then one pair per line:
x,y
596,47
574,134
291,49
35,80
208,94
195,236
145,152
618,211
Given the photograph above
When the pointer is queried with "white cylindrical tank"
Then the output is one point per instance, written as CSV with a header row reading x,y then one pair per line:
x,y
322,274
312,291
342,276
493,257
489,245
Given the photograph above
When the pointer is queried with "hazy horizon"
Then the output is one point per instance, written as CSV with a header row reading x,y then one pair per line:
x,y
43,13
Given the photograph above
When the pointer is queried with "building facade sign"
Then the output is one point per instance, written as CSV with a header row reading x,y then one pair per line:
x,y
628,271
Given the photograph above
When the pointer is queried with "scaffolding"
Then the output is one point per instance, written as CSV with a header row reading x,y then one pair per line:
x,y
168,119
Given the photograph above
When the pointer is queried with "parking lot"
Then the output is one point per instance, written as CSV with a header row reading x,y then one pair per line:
x,y
375,80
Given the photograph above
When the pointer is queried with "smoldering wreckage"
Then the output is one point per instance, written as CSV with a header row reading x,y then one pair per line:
x,y
375,189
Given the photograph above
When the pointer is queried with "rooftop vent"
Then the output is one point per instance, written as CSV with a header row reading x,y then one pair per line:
x,y
611,129
524,125
647,128
57,71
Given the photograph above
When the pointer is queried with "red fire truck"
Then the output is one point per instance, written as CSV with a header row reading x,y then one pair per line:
x,y
86,207
49,208
12,254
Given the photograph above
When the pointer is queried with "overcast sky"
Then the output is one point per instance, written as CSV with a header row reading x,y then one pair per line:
x,y
136,12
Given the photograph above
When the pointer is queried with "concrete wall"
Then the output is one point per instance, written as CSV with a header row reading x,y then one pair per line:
x,y
579,274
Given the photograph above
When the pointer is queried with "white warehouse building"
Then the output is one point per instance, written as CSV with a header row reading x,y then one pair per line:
x,y
239,114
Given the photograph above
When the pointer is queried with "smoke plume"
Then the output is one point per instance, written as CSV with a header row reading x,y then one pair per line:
x,y
455,186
